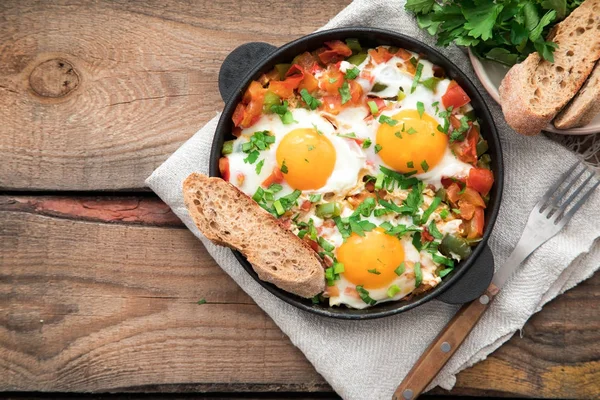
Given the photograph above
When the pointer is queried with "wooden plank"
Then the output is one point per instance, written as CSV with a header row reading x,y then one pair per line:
x,y
118,305
95,96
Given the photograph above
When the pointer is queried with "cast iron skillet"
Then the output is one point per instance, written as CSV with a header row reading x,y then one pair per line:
x,y
473,275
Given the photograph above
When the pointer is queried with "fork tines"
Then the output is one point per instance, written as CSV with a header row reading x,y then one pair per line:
x,y
553,204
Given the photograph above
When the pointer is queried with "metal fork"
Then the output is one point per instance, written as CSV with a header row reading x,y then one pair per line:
x,y
546,219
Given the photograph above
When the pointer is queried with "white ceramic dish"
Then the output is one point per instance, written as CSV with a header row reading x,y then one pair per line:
x,y
491,73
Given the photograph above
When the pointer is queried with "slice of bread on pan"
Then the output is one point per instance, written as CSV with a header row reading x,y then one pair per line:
x,y
534,91
584,106
230,218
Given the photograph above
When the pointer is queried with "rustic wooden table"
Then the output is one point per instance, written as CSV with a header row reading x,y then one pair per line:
x,y
99,280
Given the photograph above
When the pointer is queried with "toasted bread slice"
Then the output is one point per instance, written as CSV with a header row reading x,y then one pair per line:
x,y
230,218
584,106
534,91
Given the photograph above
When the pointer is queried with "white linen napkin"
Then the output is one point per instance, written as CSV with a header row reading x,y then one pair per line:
x,y
368,359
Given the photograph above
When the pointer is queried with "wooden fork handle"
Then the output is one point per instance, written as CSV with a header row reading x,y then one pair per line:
x,y
444,346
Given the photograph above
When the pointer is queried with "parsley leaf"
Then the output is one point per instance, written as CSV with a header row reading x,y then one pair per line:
x,y
284,168
424,165
366,144
284,114
345,92
420,6
418,274
352,73
387,120
378,148
259,166
310,101
374,271
252,157
417,77
420,109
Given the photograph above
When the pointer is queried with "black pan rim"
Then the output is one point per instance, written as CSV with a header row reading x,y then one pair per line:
x,y
483,114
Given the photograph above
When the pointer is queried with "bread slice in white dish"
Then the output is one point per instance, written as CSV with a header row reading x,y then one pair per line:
x,y
584,106
230,218
534,91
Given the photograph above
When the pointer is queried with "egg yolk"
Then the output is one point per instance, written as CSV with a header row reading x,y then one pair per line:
x,y
413,144
309,159
371,260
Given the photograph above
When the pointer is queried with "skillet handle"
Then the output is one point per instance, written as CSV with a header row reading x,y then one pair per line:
x,y
474,282
238,63
444,346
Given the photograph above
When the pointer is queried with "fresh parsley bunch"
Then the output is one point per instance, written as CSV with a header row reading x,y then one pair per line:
x,y
506,31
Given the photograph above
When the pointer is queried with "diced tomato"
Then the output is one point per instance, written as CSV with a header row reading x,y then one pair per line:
x,y
455,96
466,210
331,104
352,292
358,141
476,225
306,61
331,80
238,114
272,75
224,168
356,91
275,177
239,178
285,223
480,179
380,55
366,75
455,122
313,245
466,150
403,54
334,51
237,131
339,47
309,83
452,193
471,196
370,186
447,181
254,99
306,204
333,291
285,88
379,102
438,71
426,236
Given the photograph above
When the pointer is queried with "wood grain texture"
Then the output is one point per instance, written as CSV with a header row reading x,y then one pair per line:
x,y
96,95
94,306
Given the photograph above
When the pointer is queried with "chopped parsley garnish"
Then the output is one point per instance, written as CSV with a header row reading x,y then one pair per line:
x,y
424,165
365,208
338,268
374,271
325,244
445,272
314,198
411,131
364,295
434,204
378,148
392,291
284,114
260,140
401,268
275,187
310,147
349,135
310,101
202,301
418,275
387,120
259,166
394,178
252,157
398,135
431,83
410,164
458,133
332,80
456,211
416,241
434,231
373,107
420,109
442,260
444,214
366,144
284,168
345,92
413,61
352,73
417,77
